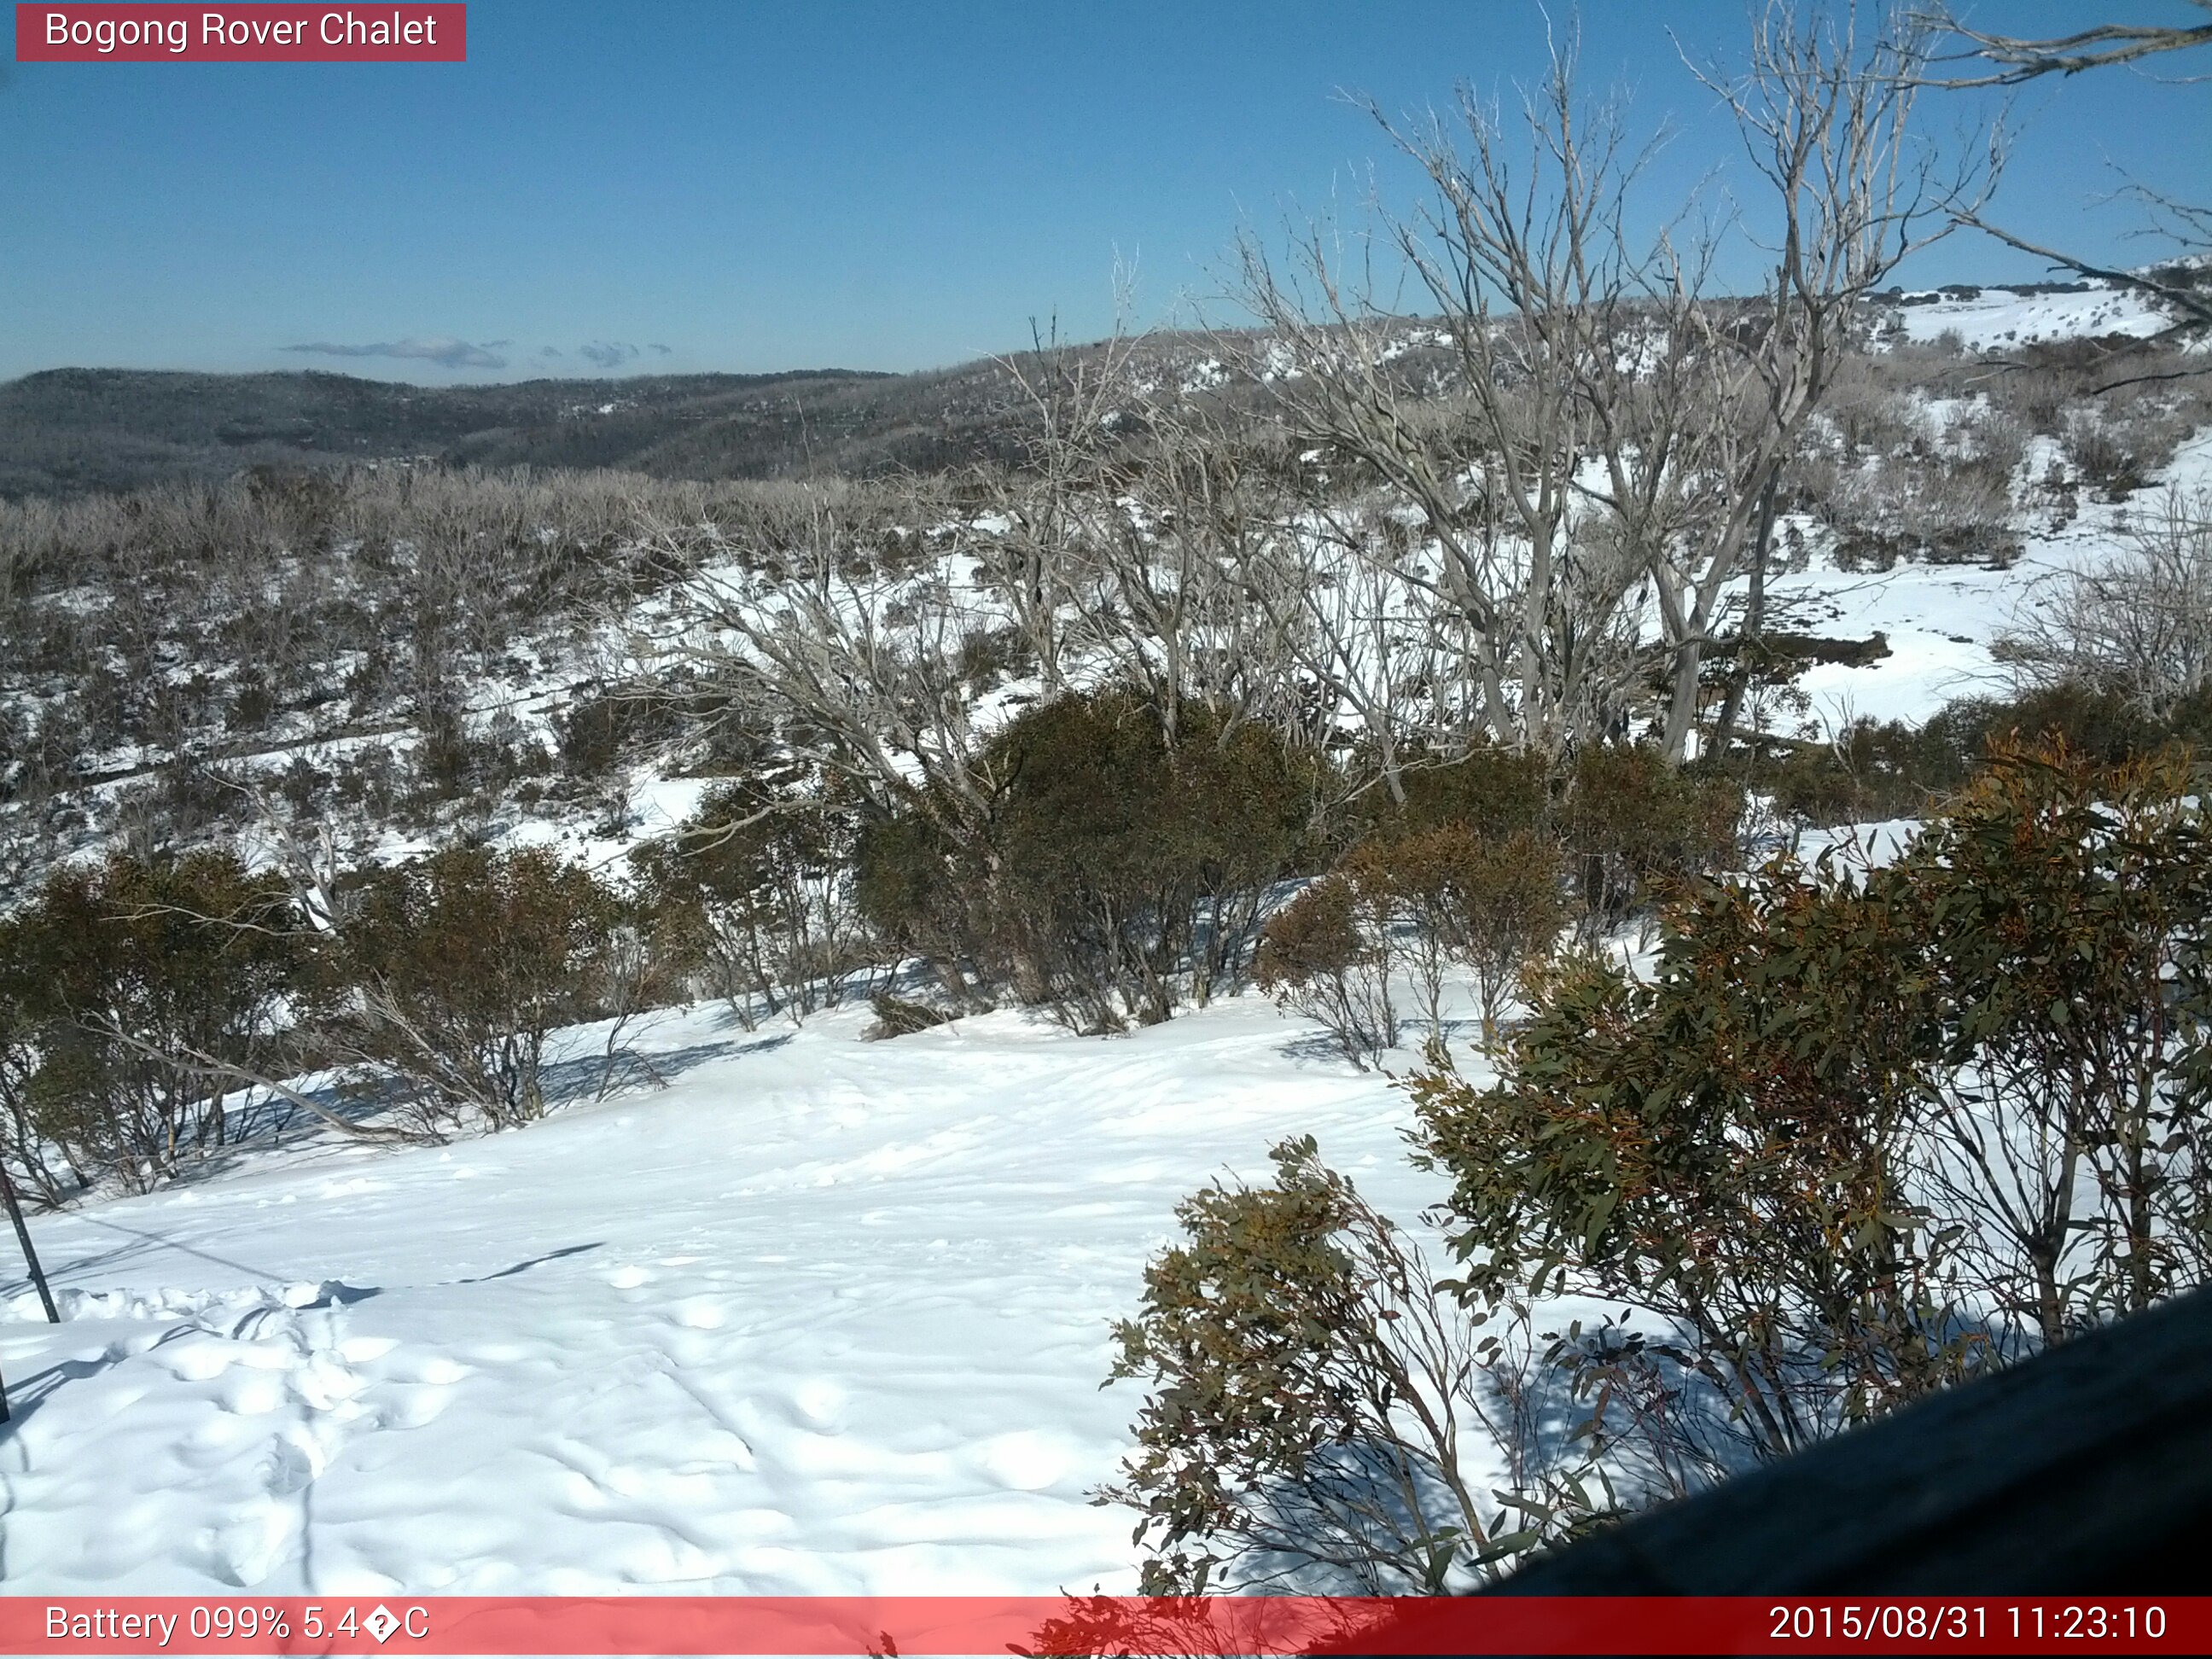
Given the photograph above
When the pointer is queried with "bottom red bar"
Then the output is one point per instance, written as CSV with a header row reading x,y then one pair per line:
x,y
900,1627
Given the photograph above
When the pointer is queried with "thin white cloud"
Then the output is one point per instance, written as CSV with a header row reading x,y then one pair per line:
x,y
444,349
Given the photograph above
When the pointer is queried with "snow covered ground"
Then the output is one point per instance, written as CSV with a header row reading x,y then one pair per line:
x,y
1993,318
1940,619
820,1316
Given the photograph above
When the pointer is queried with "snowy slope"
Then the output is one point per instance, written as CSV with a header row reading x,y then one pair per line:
x,y
1940,619
1996,317
821,1317
817,1316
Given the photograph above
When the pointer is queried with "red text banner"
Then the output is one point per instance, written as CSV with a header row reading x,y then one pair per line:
x,y
912,1627
128,32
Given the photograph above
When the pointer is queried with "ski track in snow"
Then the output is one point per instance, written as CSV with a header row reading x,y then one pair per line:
x,y
823,1316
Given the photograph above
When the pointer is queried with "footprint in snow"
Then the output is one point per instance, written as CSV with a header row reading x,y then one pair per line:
x,y
291,1467
820,1402
1028,1459
700,1313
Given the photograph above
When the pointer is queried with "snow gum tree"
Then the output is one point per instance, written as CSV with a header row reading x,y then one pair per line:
x,y
447,976
133,984
1591,434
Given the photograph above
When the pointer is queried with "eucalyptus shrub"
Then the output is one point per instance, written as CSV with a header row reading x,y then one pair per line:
x,y
449,973
129,988
1866,1130
756,889
1862,1130
1328,955
1116,872
1311,1391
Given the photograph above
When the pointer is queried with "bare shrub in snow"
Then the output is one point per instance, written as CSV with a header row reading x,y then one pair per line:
x,y
2138,624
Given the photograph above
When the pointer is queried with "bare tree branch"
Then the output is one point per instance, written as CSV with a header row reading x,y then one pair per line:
x,y
209,1066
2014,59
2193,304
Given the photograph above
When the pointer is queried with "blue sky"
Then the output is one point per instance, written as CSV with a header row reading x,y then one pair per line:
x,y
755,185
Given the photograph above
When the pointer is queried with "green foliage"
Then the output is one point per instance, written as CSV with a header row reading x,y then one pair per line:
x,y
2065,1109
1863,1131
917,887
1326,955
756,889
1722,1146
28,1141
1490,792
1114,872
2102,726
449,973
1497,907
1426,896
1429,899
1874,770
1308,1390
126,987
1634,825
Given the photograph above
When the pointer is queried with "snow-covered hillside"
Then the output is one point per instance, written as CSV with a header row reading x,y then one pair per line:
x,y
820,1316
1940,620
814,1315
1988,318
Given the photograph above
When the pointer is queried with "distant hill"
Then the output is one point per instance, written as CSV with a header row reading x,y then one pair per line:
x,y
71,430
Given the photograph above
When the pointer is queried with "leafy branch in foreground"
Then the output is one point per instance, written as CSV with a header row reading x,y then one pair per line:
x,y
1865,1130
1312,1390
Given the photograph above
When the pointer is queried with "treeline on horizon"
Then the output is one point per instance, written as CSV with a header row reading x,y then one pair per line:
x,y
73,432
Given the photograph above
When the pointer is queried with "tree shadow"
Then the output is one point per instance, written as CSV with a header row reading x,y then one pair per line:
x,y
1315,1048
149,1242
586,1077
534,1261
26,1394
356,1101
